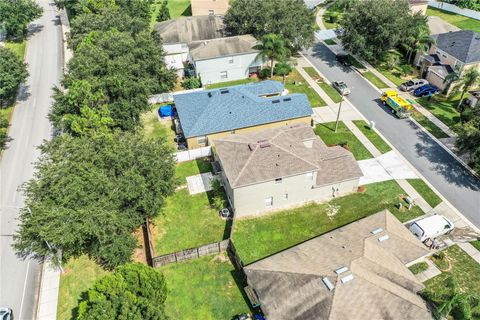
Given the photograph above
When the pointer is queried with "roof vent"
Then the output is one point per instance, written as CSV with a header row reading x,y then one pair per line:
x,y
223,91
383,238
347,278
377,231
275,101
328,284
265,144
341,270
287,99
209,94
251,146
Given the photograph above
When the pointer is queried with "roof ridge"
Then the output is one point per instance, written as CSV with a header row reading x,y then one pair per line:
x,y
289,272
245,165
296,156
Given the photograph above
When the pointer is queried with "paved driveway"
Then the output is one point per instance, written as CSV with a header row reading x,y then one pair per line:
x,y
438,25
440,168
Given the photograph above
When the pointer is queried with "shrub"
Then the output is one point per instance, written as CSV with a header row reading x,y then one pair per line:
x,y
218,201
419,267
191,83
265,73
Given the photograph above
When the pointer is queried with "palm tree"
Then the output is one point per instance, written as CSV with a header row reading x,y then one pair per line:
x,y
418,42
272,47
465,82
283,68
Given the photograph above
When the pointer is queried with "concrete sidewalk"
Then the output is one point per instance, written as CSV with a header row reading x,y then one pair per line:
x,y
48,296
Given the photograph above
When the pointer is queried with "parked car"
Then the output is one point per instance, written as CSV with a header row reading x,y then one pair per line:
x,y
6,314
413,84
341,87
344,59
426,90
431,227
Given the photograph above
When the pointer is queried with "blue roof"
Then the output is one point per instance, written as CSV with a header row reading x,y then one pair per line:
x,y
225,109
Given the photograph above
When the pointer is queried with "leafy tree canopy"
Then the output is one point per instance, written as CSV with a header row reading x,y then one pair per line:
x,y
13,72
17,14
164,13
468,140
291,19
133,291
91,192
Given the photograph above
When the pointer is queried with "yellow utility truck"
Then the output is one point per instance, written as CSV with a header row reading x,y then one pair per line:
x,y
399,105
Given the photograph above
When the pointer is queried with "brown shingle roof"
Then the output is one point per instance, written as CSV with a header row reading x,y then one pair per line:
x,y
188,29
289,284
222,47
281,152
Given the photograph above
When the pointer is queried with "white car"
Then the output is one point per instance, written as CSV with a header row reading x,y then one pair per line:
x,y
6,314
341,87
431,227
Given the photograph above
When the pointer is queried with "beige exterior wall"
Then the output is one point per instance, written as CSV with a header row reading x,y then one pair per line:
x,y
193,142
422,8
436,80
292,191
203,7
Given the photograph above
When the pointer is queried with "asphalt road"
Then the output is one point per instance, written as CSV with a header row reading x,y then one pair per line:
x,y
438,166
19,278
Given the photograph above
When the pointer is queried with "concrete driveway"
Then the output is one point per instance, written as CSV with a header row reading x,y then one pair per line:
x,y
438,25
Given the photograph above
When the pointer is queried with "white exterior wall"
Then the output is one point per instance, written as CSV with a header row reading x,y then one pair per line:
x,y
176,54
209,70
250,200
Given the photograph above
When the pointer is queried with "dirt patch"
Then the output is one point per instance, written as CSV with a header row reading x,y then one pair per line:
x,y
139,254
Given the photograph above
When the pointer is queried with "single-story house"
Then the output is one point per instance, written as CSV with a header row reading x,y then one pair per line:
x,y
418,6
211,114
357,271
283,167
454,51
209,7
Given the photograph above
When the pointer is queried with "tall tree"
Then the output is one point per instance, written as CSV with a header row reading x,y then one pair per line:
x,y
17,14
467,81
133,291
272,47
13,72
283,68
291,19
164,13
468,139
91,192
416,36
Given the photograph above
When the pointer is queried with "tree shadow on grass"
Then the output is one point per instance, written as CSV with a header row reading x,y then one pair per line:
x,y
187,12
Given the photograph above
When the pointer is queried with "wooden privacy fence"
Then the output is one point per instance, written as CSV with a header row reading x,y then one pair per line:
x,y
192,253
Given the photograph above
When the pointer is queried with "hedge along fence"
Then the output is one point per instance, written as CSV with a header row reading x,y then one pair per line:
x,y
189,254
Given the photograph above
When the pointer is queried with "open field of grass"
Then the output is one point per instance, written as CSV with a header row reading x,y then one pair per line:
x,y
177,8
376,81
259,237
231,83
426,192
205,288
191,168
79,276
343,137
186,221
444,108
428,125
18,47
374,138
456,19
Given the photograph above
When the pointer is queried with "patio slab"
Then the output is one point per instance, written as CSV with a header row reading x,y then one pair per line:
x,y
200,183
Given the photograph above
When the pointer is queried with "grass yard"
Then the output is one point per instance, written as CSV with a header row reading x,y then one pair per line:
x,y
186,221
312,73
444,108
476,244
204,288
330,42
332,93
343,137
463,268
231,83
431,197
374,138
18,47
428,125
295,83
259,237
337,16
79,276
177,8
191,168
458,20
376,81
154,128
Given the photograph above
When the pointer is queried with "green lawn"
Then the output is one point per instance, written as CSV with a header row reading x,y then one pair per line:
x,y
442,107
330,42
79,276
343,137
332,93
18,47
177,9
376,81
191,168
431,197
476,244
458,20
463,268
259,237
418,267
186,221
154,128
428,125
231,83
312,73
295,83
374,138
205,288
355,62
332,10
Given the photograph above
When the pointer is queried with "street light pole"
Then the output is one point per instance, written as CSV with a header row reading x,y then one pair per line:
x,y
338,114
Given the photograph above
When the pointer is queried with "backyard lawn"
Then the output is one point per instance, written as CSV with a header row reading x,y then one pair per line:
x,y
374,138
295,83
79,276
231,83
458,20
186,221
191,168
259,237
463,268
428,125
154,128
343,137
177,9
431,197
376,81
444,108
203,288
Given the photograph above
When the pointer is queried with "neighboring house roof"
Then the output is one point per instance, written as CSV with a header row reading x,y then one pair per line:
x,y
443,70
219,110
200,50
376,284
312,4
464,45
281,152
188,29
203,6
417,2
432,58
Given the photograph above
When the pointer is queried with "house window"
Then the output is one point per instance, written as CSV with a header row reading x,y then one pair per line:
x,y
278,180
202,140
285,196
211,12
230,60
269,202
309,176
223,75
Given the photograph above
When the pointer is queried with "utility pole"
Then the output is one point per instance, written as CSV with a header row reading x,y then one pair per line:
x,y
338,114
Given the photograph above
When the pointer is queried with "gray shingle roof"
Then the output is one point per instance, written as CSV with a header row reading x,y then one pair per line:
x,y
219,110
463,45
289,284
290,150
222,47
188,29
